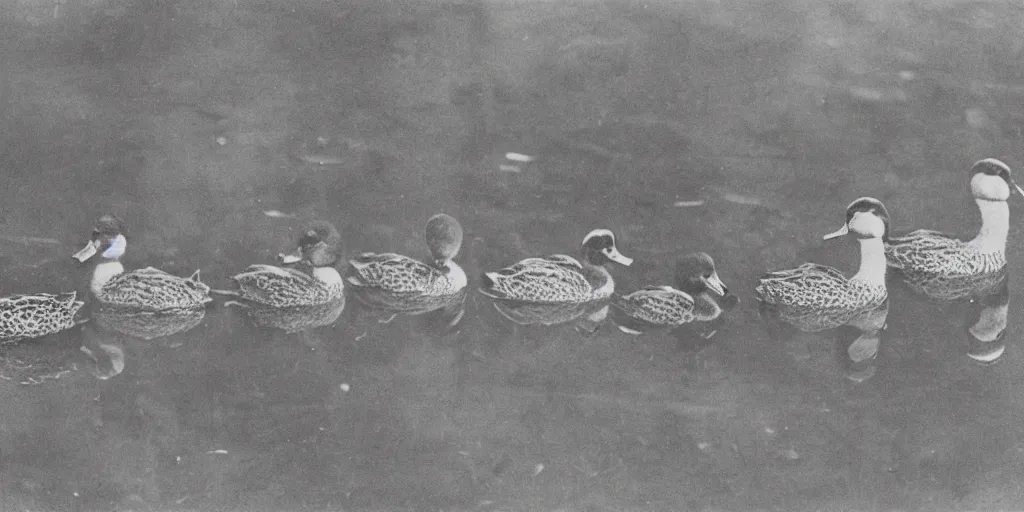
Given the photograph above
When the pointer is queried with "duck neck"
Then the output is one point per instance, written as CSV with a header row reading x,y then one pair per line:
x,y
872,262
608,286
105,271
705,306
455,274
329,276
995,224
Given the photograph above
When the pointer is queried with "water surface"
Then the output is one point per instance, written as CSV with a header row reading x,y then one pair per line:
x,y
190,119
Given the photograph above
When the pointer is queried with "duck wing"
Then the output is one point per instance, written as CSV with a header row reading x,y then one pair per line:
x,y
556,278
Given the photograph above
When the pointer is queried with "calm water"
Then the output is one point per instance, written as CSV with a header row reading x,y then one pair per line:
x,y
191,118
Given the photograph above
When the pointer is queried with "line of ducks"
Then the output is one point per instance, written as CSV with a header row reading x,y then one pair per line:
x,y
560,288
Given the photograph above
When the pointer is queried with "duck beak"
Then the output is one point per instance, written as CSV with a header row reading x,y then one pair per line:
x,y
715,284
288,259
616,256
87,252
837,233
1016,186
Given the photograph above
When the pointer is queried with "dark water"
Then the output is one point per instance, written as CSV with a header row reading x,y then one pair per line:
x,y
775,115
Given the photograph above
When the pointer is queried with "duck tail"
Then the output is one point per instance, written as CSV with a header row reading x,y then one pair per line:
x,y
228,293
487,285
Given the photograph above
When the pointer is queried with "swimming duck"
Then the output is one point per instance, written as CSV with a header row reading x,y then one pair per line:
x,y
660,307
943,267
815,297
36,315
560,278
400,284
146,288
558,288
282,287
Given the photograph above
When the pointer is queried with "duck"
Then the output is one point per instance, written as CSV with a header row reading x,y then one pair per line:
x,y
814,297
400,284
560,278
695,298
944,267
270,286
558,288
148,288
36,315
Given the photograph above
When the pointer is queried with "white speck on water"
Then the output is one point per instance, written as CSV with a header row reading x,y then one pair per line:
x,y
741,199
277,214
518,157
688,204
345,387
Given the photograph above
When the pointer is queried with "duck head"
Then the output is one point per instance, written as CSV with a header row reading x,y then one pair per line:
x,y
696,273
444,238
865,218
599,248
318,245
107,240
991,181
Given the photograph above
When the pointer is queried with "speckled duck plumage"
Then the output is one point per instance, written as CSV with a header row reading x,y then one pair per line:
x,y
36,315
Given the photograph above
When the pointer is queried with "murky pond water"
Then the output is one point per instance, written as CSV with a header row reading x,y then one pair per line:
x,y
218,130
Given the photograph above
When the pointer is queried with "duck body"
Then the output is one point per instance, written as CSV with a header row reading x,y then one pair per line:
x,y
554,279
148,288
814,297
942,267
151,289
281,287
36,315
657,307
403,284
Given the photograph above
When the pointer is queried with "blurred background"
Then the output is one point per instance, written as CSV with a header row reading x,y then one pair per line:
x,y
740,128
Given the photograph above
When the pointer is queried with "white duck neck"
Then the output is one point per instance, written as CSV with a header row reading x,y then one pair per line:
x,y
327,275
456,275
105,271
872,262
995,224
